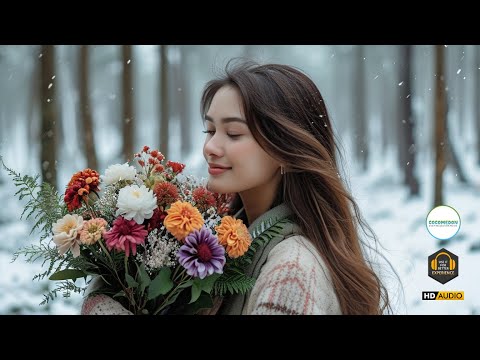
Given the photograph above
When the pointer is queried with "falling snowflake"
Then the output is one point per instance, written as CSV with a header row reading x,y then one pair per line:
x,y
459,71
400,83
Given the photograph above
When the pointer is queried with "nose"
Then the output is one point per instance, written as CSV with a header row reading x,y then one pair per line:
x,y
213,147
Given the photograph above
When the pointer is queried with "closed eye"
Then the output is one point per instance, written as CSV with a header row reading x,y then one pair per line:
x,y
211,132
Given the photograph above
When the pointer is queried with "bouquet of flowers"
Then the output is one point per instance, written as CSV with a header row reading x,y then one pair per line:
x,y
159,240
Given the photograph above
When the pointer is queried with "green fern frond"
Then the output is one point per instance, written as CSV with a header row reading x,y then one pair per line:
x,y
262,234
233,283
67,287
44,204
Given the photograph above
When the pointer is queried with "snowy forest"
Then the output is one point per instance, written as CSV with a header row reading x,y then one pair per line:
x,y
407,118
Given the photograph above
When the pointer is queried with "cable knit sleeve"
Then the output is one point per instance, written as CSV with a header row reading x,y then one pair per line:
x,y
293,281
101,304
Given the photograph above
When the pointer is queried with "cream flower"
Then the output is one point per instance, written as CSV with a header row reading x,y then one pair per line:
x,y
136,203
117,172
65,234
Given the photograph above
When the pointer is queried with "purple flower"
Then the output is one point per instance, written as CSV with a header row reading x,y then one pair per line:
x,y
201,254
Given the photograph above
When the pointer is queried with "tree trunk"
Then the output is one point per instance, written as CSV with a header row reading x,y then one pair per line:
x,y
452,158
476,105
127,85
164,108
48,136
33,104
359,114
387,116
85,110
183,106
407,123
440,122
460,88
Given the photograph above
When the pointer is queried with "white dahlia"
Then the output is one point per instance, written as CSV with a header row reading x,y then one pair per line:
x,y
136,203
65,234
117,172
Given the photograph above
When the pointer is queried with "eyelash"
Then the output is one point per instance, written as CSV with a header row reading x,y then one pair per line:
x,y
210,132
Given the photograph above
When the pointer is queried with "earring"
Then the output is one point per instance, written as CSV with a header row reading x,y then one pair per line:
x,y
282,171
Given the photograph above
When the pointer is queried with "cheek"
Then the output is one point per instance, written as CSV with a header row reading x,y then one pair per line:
x,y
254,160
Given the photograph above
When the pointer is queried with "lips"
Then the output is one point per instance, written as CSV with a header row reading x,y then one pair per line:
x,y
215,169
217,166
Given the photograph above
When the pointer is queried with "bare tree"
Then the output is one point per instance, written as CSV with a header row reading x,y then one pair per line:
x,y
440,123
182,104
460,85
359,108
85,109
127,86
476,110
48,136
33,102
164,108
387,115
451,154
407,123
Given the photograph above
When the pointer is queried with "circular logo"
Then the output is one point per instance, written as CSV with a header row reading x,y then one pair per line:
x,y
443,222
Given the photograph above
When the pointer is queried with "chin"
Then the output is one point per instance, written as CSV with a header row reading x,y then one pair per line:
x,y
219,188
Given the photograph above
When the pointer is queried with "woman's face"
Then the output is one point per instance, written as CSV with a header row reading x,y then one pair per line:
x,y
236,161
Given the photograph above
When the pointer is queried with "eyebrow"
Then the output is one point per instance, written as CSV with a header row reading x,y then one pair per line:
x,y
227,119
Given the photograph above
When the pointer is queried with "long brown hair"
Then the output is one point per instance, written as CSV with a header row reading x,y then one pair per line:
x,y
288,118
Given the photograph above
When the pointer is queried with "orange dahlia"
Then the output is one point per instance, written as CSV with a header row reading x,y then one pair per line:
x,y
79,186
182,219
234,236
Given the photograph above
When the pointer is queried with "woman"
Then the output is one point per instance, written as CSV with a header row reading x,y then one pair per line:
x,y
269,139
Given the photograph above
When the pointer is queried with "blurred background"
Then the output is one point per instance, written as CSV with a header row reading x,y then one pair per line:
x,y
407,117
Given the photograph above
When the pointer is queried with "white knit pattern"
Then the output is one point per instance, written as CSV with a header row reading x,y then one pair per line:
x,y
293,281
103,305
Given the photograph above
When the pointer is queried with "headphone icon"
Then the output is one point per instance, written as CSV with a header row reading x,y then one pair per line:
x,y
451,261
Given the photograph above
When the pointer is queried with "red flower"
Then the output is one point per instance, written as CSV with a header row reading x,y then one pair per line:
x,y
156,220
223,203
176,167
203,198
166,193
79,186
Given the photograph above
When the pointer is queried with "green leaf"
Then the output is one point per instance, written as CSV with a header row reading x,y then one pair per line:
x,y
161,285
207,283
119,294
68,274
144,278
196,291
131,281
204,302
186,284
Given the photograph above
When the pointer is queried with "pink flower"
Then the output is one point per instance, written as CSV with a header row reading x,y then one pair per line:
x,y
125,234
92,231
